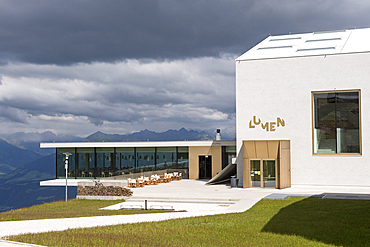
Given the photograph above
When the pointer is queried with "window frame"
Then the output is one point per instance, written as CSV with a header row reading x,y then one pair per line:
x,y
313,123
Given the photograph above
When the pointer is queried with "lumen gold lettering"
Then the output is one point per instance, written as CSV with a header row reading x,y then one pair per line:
x,y
265,126
272,126
254,120
280,121
268,126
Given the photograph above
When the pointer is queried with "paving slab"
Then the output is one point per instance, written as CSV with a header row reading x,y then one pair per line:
x,y
345,196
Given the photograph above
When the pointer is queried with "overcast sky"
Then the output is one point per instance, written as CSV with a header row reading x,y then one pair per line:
x,y
76,67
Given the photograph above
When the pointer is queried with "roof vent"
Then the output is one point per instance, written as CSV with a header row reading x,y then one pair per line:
x,y
218,135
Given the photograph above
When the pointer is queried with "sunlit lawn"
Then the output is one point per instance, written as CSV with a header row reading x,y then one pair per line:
x,y
289,222
69,209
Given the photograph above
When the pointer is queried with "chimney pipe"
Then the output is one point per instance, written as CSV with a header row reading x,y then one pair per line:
x,y
218,135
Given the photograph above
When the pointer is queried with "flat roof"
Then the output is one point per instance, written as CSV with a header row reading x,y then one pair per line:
x,y
138,144
310,44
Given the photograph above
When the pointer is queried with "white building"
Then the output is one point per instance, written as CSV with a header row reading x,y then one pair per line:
x,y
300,120
301,115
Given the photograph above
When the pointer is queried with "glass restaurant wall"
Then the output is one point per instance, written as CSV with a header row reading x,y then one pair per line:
x,y
166,158
336,120
125,161
183,161
145,159
86,162
105,162
108,162
61,161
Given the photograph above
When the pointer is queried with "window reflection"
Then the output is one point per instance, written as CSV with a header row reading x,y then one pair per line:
x,y
336,122
122,161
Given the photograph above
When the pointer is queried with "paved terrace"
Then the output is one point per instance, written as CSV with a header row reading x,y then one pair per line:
x,y
193,196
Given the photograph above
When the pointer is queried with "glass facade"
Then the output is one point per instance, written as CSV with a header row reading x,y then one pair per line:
x,y
145,159
125,161
122,161
61,161
105,162
228,153
86,162
336,122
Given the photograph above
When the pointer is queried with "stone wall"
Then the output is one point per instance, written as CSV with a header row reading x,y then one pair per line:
x,y
103,191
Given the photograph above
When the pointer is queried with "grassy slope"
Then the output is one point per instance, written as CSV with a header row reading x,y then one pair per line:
x,y
290,222
69,209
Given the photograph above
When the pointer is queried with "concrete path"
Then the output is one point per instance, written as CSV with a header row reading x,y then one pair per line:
x,y
193,196
4,243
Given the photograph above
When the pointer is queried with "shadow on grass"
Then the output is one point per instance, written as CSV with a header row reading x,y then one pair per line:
x,y
337,222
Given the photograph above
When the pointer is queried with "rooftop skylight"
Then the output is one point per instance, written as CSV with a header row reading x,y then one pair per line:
x,y
275,47
317,49
285,39
338,31
317,40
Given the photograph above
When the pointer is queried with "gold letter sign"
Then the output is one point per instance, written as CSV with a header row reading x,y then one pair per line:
x,y
268,126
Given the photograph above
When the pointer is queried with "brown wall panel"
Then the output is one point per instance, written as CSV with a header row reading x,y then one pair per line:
x,y
285,174
249,150
285,144
261,149
273,149
216,160
246,174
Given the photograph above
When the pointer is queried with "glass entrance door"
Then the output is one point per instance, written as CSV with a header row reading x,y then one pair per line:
x,y
263,169
205,167
269,177
255,173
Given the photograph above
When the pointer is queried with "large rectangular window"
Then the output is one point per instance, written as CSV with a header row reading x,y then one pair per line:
x,y
86,162
105,163
125,160
336,122
166,158
145,159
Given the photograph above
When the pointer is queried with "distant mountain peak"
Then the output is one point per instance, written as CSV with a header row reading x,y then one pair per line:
x,y
145,135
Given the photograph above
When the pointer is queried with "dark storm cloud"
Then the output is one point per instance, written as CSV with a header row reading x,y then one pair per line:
x,y
14,115
65,32
70,66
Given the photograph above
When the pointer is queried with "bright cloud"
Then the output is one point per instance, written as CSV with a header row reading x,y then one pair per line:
x,y
160,94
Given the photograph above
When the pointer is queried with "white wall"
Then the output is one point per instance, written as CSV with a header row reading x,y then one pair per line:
x,y
272,88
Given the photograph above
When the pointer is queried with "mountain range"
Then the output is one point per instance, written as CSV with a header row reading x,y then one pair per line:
x,y
31,141
12,157
21,187
147,135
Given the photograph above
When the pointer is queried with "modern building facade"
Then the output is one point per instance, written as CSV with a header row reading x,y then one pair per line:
x,y
194,159
301,119
301,116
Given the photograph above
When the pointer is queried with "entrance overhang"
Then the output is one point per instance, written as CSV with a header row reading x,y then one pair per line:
x,y
278,150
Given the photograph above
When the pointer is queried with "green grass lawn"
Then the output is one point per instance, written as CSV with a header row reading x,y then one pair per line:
x,y
69,209
289,222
